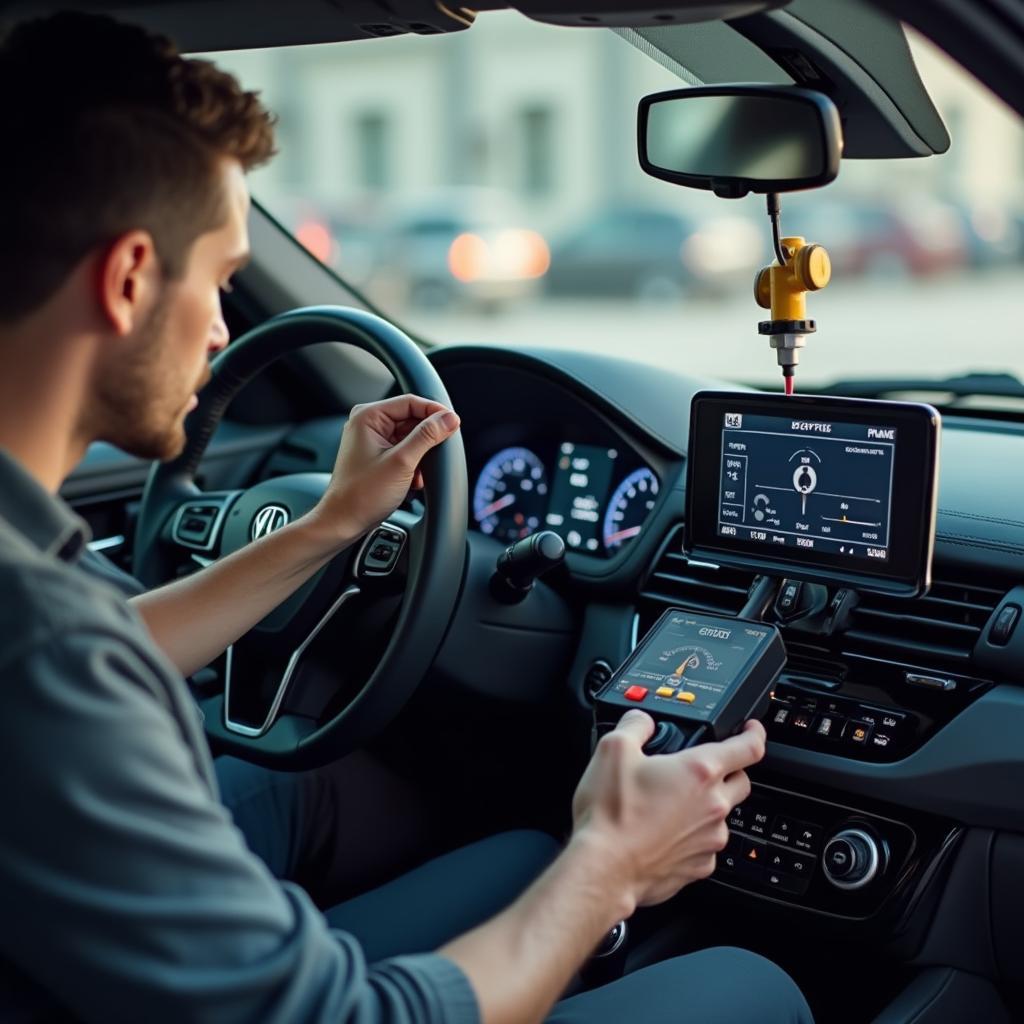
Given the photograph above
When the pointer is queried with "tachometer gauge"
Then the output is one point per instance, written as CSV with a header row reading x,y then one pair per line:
x,y
628,509
511,495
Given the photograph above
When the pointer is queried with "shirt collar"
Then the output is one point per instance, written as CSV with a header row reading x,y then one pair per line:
x,y
40,517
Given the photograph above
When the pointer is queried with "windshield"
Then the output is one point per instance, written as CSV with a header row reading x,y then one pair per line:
x,y
484,187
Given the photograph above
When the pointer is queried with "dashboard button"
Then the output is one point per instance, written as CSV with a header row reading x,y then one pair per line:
x,y
636,693
752,859
1002,629
799,864
729,859
686,696
783,830
803,720
790,884
808,837
758,822
858,733
780,716
665,691
829,727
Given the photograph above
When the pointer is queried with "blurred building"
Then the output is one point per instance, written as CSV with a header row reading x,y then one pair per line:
x,y
547,114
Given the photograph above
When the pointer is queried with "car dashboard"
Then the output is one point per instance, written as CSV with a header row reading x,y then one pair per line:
x,y
902,728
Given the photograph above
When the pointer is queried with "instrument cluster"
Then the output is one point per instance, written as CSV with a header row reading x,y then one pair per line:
x,y
596,498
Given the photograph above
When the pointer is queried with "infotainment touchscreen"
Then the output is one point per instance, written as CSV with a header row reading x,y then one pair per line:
x,y
816,488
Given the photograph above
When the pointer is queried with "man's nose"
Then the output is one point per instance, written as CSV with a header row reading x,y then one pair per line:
x,y
219,336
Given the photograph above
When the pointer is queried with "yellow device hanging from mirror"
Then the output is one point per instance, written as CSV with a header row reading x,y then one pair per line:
x,y
735,139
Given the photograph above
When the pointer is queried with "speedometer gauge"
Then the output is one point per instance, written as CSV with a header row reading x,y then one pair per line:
x,y
511,495
628,509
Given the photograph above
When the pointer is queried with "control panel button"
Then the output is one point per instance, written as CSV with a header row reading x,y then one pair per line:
x,y
858,733
780,716
753,855
665,691
851,859
829,727
782,882
729,859
758,823
686,696
783,830
803,720
636,693
1006,622
799,864
807,838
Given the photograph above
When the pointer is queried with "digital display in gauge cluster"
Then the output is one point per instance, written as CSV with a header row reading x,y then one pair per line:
x,y
590,496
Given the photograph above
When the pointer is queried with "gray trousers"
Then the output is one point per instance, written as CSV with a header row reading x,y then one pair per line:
x,y
298,822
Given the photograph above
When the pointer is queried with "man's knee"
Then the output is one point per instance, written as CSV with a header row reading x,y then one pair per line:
x,y
723,985
760,987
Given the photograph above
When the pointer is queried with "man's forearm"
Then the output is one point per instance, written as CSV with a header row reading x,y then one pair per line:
x,y
520,961
194,619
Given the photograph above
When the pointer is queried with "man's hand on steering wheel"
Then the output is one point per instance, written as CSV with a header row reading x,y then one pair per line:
x,y
378,461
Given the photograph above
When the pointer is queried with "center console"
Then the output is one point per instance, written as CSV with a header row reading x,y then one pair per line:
x,y
817,854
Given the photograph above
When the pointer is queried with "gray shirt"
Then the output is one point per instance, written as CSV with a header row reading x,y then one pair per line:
x,y
127,892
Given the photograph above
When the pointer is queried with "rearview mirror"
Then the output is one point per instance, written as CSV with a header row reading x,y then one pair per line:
x,y
735,139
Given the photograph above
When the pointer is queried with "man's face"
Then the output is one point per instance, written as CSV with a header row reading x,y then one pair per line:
x,y
146,395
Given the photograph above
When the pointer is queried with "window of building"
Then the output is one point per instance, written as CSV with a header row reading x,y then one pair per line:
x,y
373,145
537,132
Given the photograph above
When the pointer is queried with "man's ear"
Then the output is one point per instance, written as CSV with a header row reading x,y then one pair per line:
x,y
129,276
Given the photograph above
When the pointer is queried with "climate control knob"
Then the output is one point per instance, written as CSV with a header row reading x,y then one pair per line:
x,y
851,859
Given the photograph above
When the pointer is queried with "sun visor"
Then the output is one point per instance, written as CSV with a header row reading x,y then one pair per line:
x,y
639,13
855,54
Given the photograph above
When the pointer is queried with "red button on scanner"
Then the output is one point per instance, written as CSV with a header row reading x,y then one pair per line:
x,y
636,693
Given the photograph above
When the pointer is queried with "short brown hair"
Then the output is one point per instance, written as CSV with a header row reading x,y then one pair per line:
x,y
107,128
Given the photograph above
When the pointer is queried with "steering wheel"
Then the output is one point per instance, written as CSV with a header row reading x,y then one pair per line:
x,y
334,663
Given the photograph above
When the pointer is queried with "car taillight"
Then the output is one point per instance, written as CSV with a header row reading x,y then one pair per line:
x,y
468,256
316,238
521,253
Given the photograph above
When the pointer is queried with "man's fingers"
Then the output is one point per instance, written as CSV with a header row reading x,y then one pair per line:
x,y
636,725
742,750
403,407
737,788
426,435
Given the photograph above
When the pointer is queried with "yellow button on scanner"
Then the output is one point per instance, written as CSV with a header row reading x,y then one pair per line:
x,y
687,696
665,691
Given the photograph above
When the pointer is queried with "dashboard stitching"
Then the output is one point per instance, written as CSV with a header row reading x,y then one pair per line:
x,y
980,518
965,540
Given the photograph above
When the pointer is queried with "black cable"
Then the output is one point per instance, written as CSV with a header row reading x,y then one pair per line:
x,y
774,209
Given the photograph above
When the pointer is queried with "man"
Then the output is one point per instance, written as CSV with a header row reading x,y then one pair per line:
x,y
129,893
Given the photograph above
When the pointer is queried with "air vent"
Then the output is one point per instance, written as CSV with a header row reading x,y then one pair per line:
x,y
676,581
940,627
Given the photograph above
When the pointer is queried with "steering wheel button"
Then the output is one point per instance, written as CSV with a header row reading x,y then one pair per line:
x,y
636,693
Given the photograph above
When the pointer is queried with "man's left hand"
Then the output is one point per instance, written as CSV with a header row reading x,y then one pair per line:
x,y
378,462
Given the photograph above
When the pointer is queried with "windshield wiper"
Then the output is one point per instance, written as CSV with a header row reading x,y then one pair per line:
x,y
968,385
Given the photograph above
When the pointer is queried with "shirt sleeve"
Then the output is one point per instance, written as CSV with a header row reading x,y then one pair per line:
x,y
134,894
